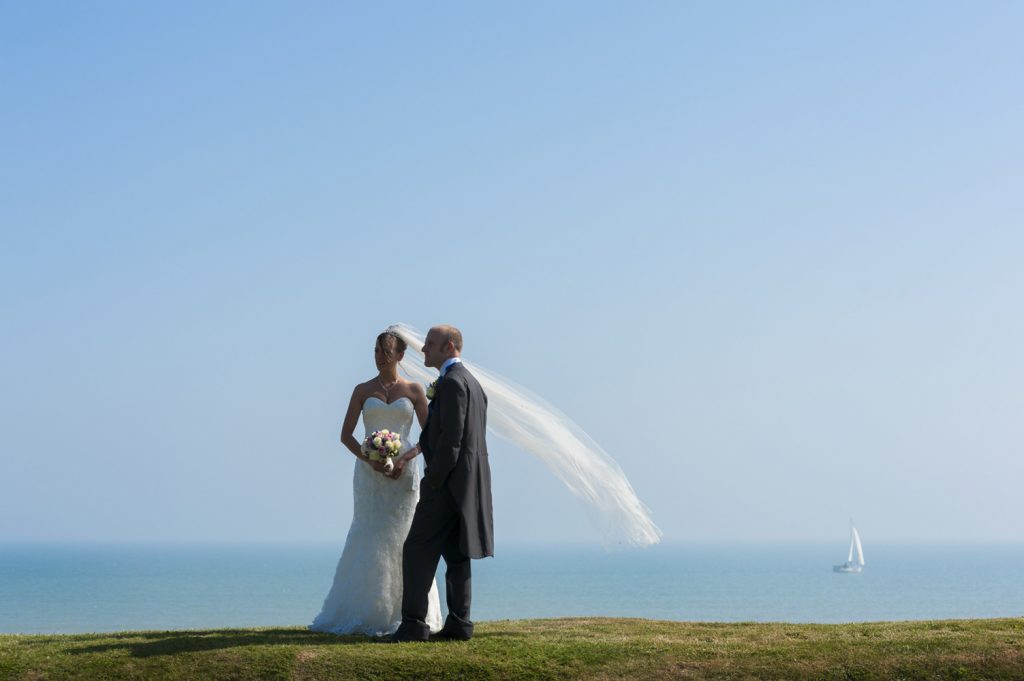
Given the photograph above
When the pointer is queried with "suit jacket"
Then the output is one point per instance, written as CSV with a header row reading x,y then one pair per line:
x,y
455,451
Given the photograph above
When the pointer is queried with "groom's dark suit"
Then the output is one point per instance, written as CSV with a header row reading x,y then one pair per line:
x,y
453,517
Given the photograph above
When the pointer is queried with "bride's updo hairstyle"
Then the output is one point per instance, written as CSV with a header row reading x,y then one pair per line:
x,y
391,343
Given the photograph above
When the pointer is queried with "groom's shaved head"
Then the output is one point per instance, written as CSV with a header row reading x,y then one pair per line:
x,y
436,350
450,333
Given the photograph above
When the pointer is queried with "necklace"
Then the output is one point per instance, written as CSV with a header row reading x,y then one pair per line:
x,y
387,388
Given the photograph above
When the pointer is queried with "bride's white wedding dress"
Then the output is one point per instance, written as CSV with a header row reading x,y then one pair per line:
x,y
366,597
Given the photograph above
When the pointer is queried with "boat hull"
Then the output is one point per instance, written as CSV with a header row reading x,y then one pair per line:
x,y
854,569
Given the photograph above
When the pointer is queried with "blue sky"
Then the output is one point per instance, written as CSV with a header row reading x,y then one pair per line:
x,y
788,235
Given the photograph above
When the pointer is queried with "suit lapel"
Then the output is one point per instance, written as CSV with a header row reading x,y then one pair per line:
x,y
428,427
437,387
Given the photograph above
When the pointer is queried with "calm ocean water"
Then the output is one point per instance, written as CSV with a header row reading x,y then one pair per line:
x,y
81,588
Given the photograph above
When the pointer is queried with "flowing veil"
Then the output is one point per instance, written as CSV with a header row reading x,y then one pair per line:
x,y
533,424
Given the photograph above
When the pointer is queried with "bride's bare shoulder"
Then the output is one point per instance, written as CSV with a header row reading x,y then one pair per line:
x,y
363,390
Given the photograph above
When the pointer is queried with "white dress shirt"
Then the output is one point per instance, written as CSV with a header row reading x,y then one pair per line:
x,y
447,364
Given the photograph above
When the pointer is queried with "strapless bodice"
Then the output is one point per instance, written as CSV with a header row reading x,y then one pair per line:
x,y
396,417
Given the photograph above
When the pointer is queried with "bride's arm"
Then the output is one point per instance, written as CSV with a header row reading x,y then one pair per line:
x,y
349,425
421,405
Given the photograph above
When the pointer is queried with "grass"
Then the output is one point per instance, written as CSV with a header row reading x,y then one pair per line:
x,y
591,648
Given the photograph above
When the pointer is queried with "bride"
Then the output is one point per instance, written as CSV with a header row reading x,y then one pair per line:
x,y
366,596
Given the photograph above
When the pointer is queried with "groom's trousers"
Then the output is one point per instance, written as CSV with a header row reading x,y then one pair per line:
x,y
434,534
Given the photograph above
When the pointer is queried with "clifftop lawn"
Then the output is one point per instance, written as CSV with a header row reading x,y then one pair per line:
x,y
586,648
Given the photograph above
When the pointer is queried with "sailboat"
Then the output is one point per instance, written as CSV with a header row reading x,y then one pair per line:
x,y
852,565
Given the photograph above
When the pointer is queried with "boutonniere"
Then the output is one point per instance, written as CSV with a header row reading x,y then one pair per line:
x,y
431,389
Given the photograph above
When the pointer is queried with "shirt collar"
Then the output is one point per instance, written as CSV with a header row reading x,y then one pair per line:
x,y
448,363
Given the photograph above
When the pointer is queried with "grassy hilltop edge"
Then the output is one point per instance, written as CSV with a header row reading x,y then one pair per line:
x,y
577,648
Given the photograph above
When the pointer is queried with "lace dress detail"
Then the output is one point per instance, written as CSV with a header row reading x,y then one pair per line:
x,y
366,596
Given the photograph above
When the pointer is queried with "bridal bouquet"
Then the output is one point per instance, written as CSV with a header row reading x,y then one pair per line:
x,y
382,445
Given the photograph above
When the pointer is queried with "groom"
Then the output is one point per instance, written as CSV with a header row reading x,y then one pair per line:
x,y
453,517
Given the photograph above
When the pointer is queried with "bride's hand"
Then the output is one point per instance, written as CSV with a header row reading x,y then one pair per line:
x,y
399,467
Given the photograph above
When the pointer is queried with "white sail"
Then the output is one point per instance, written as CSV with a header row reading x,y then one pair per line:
x,y
860,551
851,566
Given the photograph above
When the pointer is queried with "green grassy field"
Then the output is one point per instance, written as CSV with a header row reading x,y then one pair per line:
x,y
589,648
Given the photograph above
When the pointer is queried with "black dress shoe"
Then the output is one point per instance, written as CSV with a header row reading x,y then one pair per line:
x,y
455,629
452,635
410,633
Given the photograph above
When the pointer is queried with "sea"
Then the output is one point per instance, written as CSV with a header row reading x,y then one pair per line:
x,y
72,588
